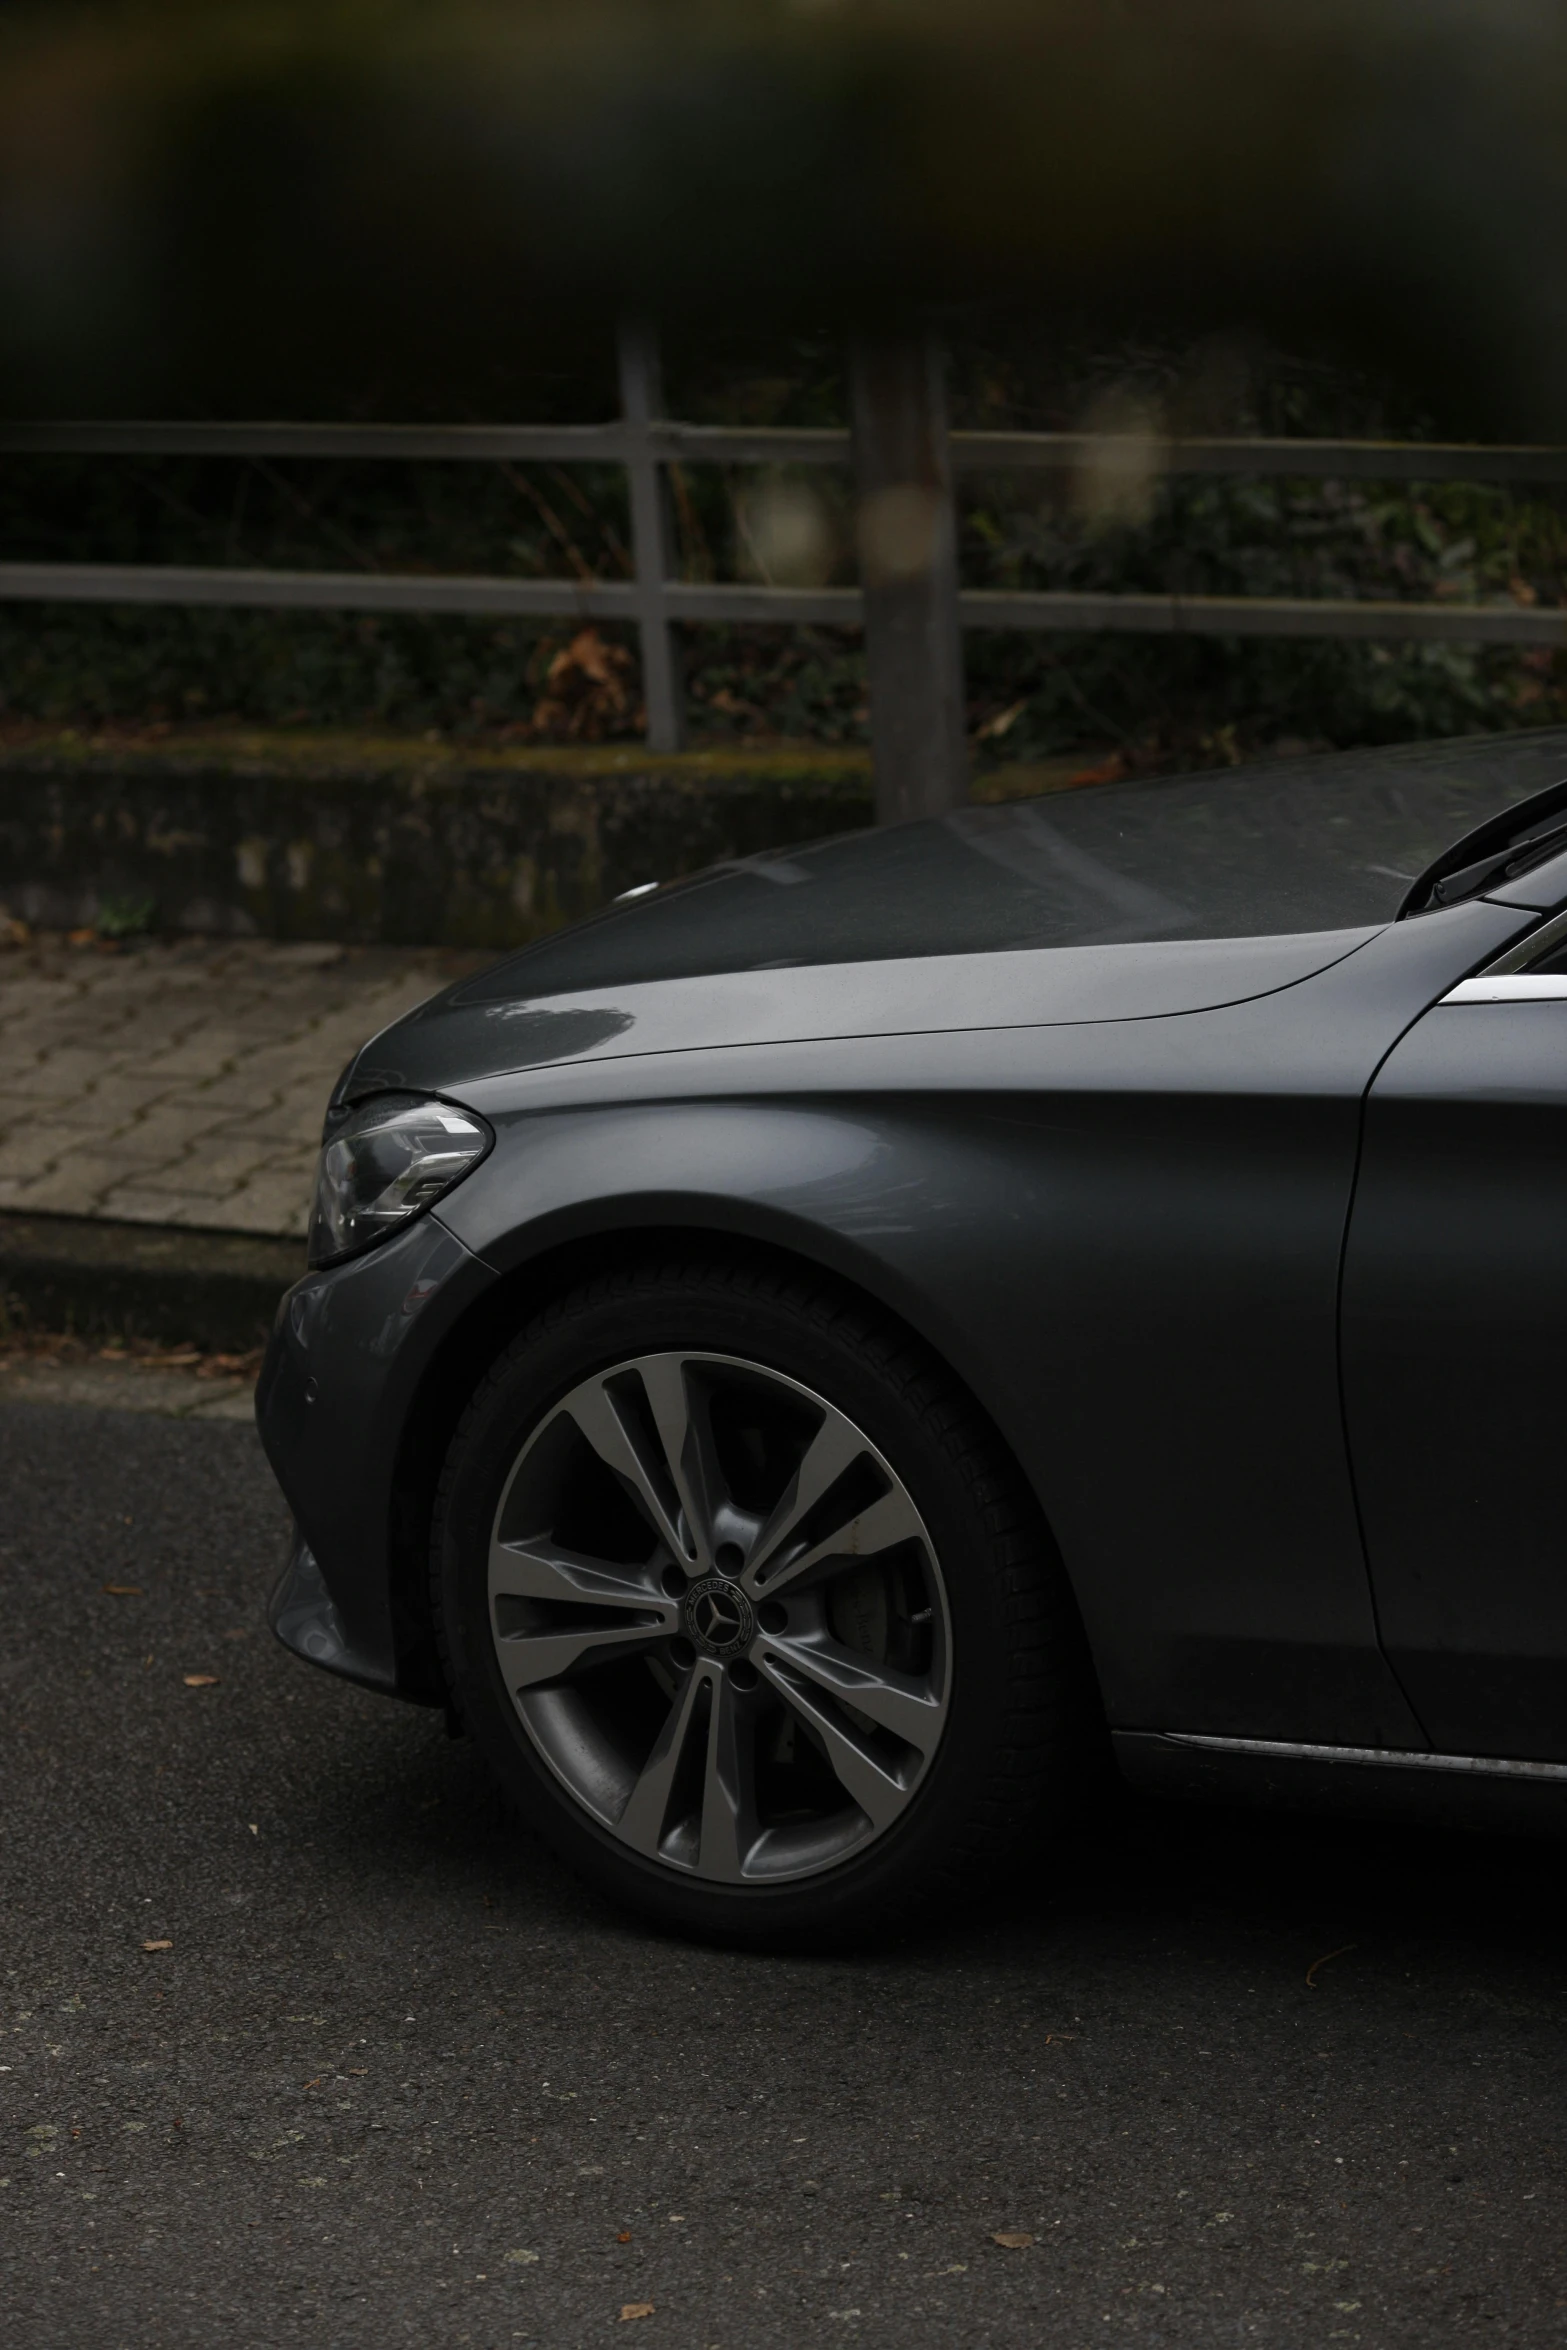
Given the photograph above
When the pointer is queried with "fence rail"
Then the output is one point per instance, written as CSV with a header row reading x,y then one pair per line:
x,y
897,410
724,444
565,599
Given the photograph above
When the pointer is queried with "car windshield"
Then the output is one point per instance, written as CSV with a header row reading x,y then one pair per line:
x,y
1322,843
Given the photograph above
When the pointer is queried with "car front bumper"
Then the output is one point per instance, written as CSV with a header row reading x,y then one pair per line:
x,y
349,1352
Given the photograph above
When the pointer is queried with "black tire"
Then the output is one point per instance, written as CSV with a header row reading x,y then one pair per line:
x,y
1022,1733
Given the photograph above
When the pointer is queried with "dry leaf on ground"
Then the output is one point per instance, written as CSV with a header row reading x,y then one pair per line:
x,y
200,1680
1108,770
123,1590
1012,2239
636,2309
57,1347
166,1945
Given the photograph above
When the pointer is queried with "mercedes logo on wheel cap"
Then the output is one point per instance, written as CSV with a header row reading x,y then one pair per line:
x,y
718,1616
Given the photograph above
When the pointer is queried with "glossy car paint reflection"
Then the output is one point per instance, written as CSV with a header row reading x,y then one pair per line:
x,y
1109,1183
1123,1235
365,1328
1455,1306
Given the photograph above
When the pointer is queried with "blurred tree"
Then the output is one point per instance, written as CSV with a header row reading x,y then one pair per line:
x,y
326,204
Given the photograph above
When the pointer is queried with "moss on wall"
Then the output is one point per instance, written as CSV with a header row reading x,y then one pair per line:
x,y
382,839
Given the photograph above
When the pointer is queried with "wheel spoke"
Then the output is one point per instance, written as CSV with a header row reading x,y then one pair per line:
x,y
889,1519
879,1793
551,1651
729,1825
835,1447
622,1446
680,1413
540,1569
528,1659
646,1815
909,1708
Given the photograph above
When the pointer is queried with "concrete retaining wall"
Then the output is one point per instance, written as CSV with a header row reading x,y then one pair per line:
x,y
372,841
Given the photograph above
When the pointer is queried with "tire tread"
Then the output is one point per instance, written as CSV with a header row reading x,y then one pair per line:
x,y
1047,1720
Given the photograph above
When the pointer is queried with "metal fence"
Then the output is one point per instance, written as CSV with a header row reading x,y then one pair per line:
x,y
912,623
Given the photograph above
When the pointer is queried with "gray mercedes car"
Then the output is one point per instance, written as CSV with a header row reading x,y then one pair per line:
x,y
825,1364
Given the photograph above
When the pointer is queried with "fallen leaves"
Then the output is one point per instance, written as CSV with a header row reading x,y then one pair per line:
x,y
124,1590
166,1944
1012,2239
200,1680
624,2236
55,1349
1108,770
635,2309
587,689
522,2259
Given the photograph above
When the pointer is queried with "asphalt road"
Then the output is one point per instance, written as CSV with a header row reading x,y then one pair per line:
x,y
398,2079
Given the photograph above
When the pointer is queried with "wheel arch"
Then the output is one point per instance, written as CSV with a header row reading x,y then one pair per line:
x,y
558,1264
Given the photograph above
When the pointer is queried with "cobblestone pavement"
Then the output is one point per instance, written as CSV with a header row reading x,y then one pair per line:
x,y
184,1083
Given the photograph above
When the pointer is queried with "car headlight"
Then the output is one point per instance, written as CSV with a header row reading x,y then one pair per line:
x,y
382,1162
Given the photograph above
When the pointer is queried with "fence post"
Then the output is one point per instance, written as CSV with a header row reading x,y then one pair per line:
x,y
641,400
909,571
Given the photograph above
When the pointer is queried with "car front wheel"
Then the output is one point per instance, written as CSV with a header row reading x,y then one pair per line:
x,y
746,1612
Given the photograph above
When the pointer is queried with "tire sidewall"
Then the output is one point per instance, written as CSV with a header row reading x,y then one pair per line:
x,y
847,1363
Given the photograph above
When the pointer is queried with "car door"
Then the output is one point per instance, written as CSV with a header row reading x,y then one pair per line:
x,y
1454,1336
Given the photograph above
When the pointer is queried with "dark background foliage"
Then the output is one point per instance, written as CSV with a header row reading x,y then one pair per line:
x,y
1151,701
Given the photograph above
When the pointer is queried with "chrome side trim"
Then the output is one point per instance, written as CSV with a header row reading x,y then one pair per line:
x,y
1510,987
1529,950
1389,1758
1509,979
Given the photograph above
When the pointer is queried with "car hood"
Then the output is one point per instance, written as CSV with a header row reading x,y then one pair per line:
x,y
454,1040
1121,901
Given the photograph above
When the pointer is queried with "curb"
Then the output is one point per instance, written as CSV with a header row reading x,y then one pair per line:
x,y
217,1289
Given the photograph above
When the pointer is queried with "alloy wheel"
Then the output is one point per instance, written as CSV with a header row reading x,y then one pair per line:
x,y
719,1617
